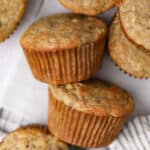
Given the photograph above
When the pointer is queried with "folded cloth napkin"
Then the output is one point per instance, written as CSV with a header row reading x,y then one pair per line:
x,y
134,136
10,121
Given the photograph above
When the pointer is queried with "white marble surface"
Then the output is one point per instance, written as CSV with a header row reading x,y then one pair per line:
x,y
21,93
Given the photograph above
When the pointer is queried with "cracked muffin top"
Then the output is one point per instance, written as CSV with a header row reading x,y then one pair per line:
x,y
95,97
11,12
32,138
135,20
130,57
63,31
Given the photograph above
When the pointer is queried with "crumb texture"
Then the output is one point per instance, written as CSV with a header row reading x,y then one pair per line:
x,y
135,20
128,56
11,12
31,138
61,31
89,7
93,95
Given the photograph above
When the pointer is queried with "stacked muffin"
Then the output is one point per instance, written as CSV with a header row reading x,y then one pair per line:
x,y
129,38
65,48
88,114
66,51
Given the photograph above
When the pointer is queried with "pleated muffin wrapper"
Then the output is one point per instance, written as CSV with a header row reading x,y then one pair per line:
x,y
80,128
67,65
140,77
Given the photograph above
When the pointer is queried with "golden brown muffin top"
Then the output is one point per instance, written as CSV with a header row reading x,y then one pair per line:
x,y
11,12
62,31
128,56
95,97
89,7
135,20
32,138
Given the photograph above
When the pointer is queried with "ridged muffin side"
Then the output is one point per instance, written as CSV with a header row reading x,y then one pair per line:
x,y
82,129
67,66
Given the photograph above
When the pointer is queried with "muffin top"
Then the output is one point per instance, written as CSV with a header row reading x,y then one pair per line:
x,y
31,138
11,12
94,97
128,56
62,31
135,20
89,7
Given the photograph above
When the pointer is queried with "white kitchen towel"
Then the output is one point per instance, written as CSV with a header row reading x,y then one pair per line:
x,y
134,136
9,121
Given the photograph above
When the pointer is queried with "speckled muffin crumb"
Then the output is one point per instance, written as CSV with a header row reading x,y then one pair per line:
x,y
61,31
89,7
32,138
135,21
11,12
93,96
65,48
128,56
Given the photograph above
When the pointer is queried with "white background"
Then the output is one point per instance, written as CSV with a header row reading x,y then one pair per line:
x,y
21,93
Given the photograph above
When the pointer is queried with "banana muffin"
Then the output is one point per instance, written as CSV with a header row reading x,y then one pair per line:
x,y
65,48
31,138
88,114
135,21
89,7
131,58
11,12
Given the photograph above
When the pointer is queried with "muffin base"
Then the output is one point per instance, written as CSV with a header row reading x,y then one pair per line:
x,y
126,72
68,65
81,129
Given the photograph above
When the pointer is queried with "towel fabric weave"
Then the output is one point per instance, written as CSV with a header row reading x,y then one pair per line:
x,y
134,136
